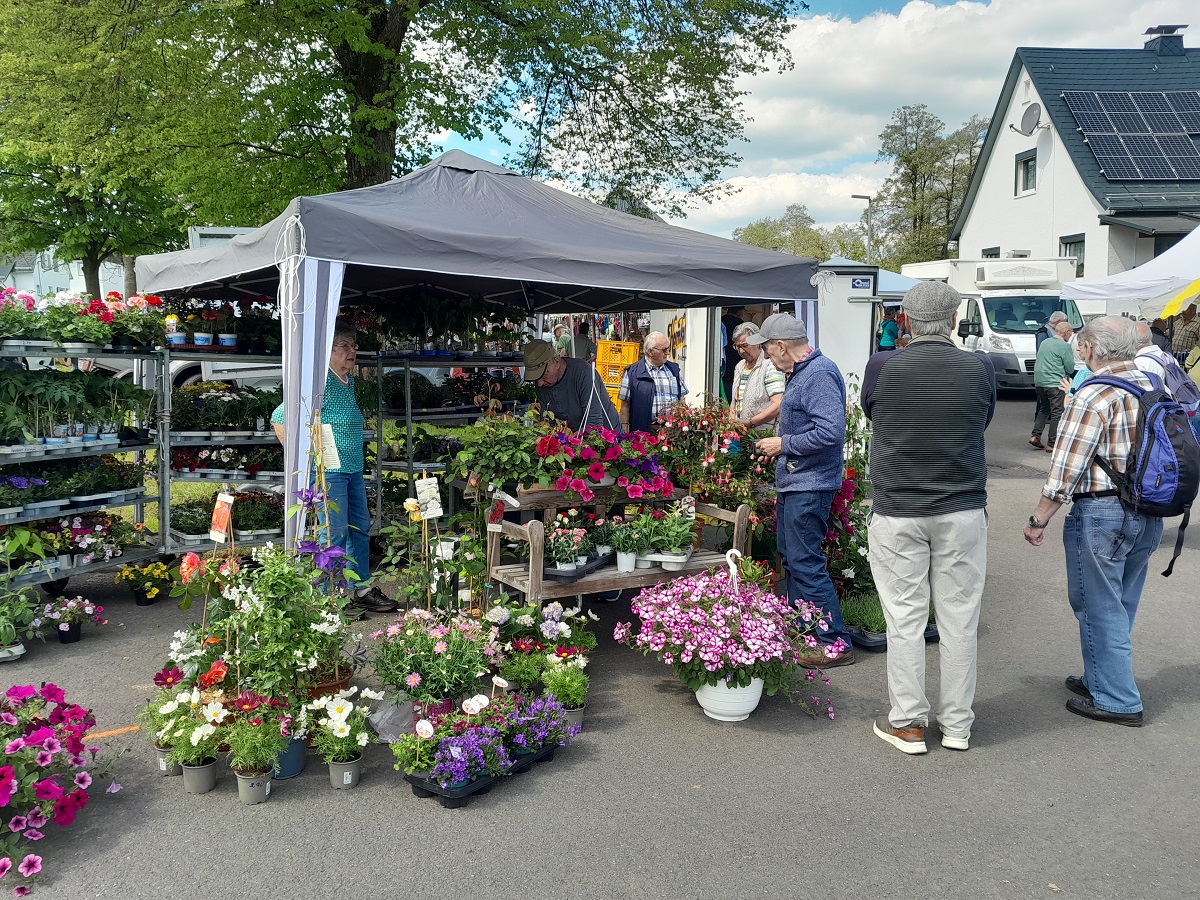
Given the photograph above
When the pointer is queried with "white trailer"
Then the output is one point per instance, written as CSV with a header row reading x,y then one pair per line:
x,y
1006,302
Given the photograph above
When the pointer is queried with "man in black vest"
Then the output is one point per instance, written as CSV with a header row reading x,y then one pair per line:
x,y
650,385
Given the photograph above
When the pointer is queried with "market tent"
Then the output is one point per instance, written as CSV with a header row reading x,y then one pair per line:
x,y
1160,287
463,227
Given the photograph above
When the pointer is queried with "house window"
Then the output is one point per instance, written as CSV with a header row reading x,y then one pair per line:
x,y
1164,242
990,253
1072,245
1026,181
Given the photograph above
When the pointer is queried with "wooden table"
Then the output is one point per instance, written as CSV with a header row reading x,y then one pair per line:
x,y
526,577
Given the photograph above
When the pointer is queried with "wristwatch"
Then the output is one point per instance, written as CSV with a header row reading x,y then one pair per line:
x,y
1034,523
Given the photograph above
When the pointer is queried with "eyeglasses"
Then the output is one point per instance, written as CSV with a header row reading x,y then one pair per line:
x,y
742,346
344,347
657,349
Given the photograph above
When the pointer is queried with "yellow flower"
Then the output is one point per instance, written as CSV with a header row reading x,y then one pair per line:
x,y
411,505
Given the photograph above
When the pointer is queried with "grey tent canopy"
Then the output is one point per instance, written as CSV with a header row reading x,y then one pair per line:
x,y
468,227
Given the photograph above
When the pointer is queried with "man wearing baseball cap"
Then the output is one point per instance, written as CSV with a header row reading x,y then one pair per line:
x,y
569,388
808,473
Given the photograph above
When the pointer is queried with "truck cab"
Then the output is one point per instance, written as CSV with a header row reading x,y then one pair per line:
x,y
1006,303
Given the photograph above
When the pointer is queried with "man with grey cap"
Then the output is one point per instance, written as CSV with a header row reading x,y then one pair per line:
x,y
929,405
810,463
569,388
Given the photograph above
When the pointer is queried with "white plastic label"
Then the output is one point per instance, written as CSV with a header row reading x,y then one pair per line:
x,y
347,777
162,765
267,791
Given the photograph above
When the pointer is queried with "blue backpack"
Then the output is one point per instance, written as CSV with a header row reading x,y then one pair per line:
x,y
1162,473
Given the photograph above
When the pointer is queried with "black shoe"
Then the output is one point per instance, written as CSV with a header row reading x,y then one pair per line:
x,y
1089,710
375,600
608,597
1076,686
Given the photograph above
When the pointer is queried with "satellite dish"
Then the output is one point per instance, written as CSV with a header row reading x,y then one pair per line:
x,y
1029,120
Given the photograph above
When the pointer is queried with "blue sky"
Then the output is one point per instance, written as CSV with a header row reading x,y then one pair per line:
x,y
814,134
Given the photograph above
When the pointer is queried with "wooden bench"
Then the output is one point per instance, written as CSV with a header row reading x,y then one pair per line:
x,y
526,577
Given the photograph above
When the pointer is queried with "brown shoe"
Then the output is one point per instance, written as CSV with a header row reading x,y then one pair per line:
x,y
908,739
816,659
1036,443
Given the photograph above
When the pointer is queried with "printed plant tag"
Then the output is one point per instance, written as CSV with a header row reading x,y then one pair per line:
x,y
218,529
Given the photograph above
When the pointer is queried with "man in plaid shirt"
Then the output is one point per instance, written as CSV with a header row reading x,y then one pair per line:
x,y
1107,546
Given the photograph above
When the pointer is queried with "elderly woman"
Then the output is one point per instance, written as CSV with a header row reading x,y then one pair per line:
x,y
757,384
349,516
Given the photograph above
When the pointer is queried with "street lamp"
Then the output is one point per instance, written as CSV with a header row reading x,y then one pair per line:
x,y
870,233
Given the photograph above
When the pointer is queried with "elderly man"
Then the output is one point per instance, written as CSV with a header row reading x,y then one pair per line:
x,y
1107,546
1055,361
808,472
650,385
1046,332
569,388
1158,362
1187,334
929,407
757,384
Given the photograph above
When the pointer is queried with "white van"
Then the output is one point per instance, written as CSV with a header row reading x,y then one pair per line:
x,y
1006,303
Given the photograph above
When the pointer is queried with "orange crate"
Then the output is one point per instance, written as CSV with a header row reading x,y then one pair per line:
x,y
617,353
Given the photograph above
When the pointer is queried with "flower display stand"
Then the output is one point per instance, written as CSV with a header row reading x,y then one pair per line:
x,y
454,798
528,577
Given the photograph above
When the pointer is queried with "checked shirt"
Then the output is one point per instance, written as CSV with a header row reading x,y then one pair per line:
x,y
1098,420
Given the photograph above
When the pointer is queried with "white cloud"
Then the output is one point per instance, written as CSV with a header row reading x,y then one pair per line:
x,y
815,128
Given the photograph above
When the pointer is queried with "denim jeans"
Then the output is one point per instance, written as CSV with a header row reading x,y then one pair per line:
x,y
1108,551
802,519
350,522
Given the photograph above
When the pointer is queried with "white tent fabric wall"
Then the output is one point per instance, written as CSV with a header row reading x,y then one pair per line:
x,y
1147,289
310,293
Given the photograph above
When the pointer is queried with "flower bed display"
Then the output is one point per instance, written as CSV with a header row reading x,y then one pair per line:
x,y
46,406
234,461
214,406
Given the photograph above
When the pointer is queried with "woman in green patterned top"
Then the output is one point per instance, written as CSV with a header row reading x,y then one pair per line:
x,y
349,516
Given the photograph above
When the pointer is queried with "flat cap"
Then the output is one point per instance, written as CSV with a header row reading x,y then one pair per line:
x,y
931,301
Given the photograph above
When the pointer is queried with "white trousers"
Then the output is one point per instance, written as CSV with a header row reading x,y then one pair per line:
x,y
915,561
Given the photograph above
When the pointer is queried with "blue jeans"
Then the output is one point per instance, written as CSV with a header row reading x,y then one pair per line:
x,y
802,519
350,522
1108,551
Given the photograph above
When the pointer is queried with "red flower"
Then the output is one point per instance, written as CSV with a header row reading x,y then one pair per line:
x,y
548,445
105,316
215,675
496,513
153,300
596,471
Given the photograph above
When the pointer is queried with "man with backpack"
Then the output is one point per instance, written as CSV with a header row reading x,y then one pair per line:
x,y
1151,358
1123,460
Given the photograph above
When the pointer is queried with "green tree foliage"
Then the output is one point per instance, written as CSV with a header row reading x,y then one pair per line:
x,y
240,105
796,232
919,201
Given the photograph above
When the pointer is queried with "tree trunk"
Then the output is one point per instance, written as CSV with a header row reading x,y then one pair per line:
x,y
91,276
130,275
369,156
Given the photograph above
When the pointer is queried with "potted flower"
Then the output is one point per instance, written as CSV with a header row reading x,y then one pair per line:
x,y
197,736
340,733
17,614
256,740
433,658
726,638
163,715
524,665
67,615
76,324
256,515
48,777
18,320
672,535
460,759
567,682
863,613
629,538
601,535
564,546
540,722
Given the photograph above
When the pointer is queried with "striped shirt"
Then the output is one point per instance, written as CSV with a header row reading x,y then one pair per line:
x,y
1099,420
929,405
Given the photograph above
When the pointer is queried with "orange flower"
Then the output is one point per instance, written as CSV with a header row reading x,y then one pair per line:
x,y
215,675
189,567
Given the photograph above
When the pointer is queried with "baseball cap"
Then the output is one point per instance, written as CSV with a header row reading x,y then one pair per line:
x,y
779,327
538,354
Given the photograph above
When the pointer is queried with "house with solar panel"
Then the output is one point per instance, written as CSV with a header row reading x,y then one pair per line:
x,y
1091,154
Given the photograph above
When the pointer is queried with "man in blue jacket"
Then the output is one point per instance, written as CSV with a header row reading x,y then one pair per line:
x,y
808,472
650,386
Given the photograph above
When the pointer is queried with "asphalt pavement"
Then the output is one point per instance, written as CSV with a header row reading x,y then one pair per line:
x,y
656,801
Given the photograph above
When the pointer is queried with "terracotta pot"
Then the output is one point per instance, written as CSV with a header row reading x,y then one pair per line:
x,y
326,688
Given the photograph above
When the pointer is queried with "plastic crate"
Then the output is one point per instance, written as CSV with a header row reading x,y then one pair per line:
x,y
617,353
612,394
611,374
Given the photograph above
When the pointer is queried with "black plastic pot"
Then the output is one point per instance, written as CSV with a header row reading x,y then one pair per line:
x,y
454,798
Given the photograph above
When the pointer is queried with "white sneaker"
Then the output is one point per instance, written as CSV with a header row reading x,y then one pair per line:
x,y
953,743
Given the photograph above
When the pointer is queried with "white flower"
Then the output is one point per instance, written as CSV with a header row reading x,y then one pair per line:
x,y
847,573
184,697
564,629
369,694
339,710
592,615
195,698
424,729
525,621
339,729
363,739
498,615
214,712
169,707
862,551
201,732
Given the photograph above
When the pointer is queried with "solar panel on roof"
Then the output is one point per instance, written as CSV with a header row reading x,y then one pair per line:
x,y
1129,123
1140,135
1143,144
1105,143
1178,145
1084,101
1181,100
1150,101
1118,168
1164,123
1116,101
1186,168
1156,166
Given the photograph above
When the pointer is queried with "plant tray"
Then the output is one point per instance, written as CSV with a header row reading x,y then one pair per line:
x,y
880,643
459,797
554,574
190,540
